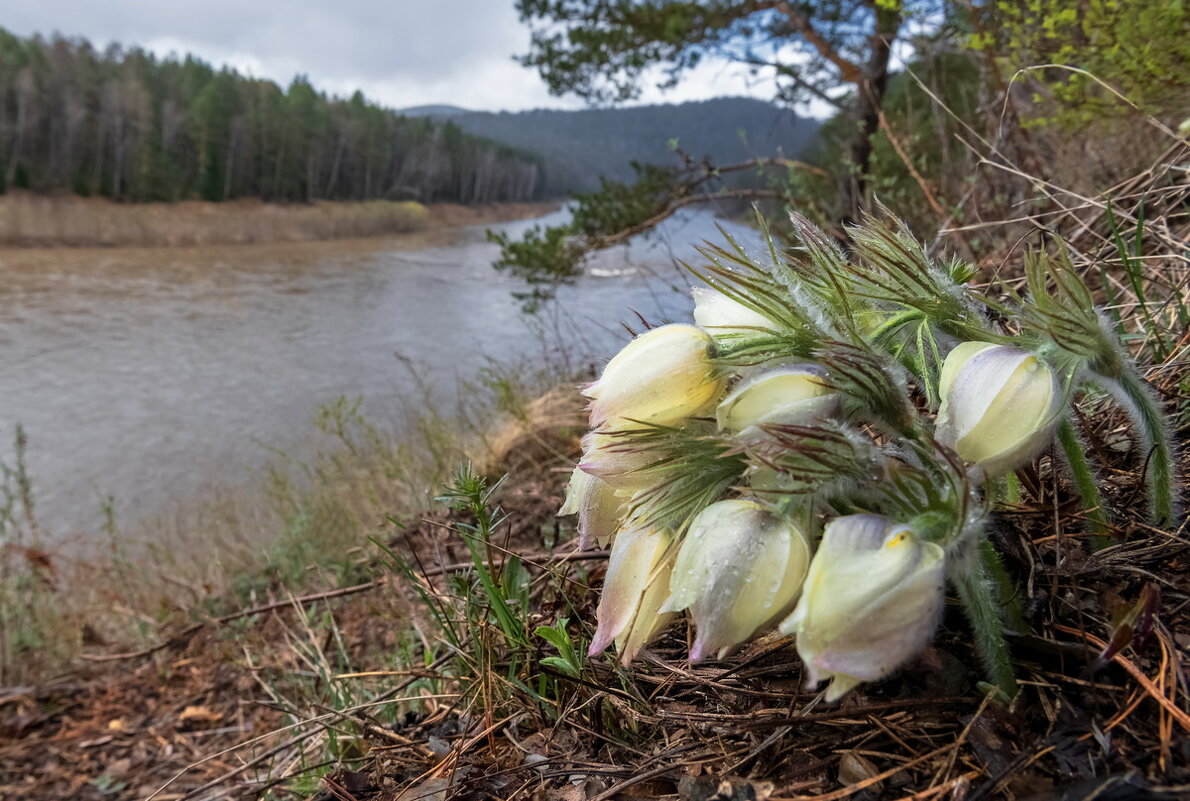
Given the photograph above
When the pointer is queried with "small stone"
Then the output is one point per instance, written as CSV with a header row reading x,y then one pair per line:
x,y
854,769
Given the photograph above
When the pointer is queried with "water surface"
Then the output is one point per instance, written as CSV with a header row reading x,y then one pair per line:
x,y
152,375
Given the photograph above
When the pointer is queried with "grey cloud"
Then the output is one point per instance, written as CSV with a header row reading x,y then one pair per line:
x,y
374,38
404,52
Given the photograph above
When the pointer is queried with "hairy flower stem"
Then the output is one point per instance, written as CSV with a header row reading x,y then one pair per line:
x,y
981,603
1012,489
1010,600
1084,482
1006,489
1145,410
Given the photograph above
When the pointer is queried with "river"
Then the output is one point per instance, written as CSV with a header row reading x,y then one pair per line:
x,y
153,375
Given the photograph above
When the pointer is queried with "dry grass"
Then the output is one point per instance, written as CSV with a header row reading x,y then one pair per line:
x,y
28,220
303,525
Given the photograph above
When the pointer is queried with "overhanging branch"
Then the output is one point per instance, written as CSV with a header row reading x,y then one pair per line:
x,y
790,73
684,194
849,71
620,237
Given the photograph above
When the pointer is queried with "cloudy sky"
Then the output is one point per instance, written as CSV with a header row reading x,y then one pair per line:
x,y
400,52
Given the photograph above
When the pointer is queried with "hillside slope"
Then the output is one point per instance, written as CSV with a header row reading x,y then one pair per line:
x,y
579,146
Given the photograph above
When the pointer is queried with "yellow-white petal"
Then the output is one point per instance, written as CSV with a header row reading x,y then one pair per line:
x,y
999,405
612,458
649,621
600,509
738,570
720,314
954,362
872,599
635,553
788,395
664,376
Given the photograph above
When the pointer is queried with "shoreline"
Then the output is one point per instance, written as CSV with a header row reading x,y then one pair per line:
x,y
31,222
455,215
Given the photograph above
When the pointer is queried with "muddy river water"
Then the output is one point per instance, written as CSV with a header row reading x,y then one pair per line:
x,y
151,376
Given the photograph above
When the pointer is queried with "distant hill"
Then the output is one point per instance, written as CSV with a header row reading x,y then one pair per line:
x,y
439,110
579,146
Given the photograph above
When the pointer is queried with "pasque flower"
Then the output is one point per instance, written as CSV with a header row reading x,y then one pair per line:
x,y
845,432
795,395
739,568
664,376
999,405
720,314
872,599
636,584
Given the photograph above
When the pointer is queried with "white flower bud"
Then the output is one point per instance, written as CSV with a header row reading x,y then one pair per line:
x,y
999,405
600,509
723,315
664,376
739,569
788,395
872,599
637,580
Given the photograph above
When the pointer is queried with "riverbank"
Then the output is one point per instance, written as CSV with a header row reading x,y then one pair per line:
x,y
151,376
41,221
298,523
396,682
341,523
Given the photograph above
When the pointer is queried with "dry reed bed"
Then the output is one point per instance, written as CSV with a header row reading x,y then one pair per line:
x,y
29,220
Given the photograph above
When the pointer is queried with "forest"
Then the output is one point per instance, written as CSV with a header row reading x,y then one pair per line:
x,y
127,125
580,147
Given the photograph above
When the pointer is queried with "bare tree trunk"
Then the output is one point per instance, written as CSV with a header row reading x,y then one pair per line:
x,y
334,177
309,174
229,164
277,171
100,147
118,170
25,91
118,138
368,148
869,99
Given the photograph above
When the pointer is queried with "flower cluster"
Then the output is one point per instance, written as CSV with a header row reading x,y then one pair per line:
x,y
817,455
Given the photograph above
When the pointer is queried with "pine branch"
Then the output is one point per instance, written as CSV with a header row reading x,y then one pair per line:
x,y
849,71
